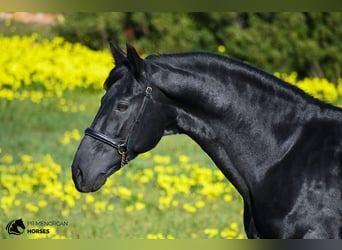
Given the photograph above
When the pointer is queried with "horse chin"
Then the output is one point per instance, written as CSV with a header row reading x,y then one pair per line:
x,y
99,182
96,183
102,178
112,170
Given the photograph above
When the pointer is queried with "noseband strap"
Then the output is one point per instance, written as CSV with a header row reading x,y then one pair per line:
x,y
103,138
121,146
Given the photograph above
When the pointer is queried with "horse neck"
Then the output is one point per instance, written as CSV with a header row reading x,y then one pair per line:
x,y
245,119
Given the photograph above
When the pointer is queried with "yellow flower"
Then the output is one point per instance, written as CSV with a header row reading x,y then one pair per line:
x,y
221,49
318,87
75,134
65,212
231,232
234,226
140,196
144,179
228,233
65,140
200,204
151,237
32,208
42,203
6,202
89,198
129,208
50,64
159,159
212,190
100,206
211,232
124,192
26,158
183,159
170,237
140,206
228,197
241,236
157,236
69,200
69,136
36,96
174,203
6,94
189,208
219,175
52,230
165,201
145,155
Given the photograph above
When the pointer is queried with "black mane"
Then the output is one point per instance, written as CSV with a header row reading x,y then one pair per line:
x,y
208,62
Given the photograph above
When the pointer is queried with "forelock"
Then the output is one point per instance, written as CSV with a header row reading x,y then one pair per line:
x,y
115,75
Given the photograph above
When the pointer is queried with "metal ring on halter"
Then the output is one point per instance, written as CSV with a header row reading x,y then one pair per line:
x,y
122,149
148,90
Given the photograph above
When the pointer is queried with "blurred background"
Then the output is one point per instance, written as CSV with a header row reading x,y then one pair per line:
x,y
308,43
52,69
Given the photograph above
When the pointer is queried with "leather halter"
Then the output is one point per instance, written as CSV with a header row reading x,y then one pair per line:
x,y
121,145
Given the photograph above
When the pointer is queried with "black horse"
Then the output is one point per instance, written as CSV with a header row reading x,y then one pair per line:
x,y
281,148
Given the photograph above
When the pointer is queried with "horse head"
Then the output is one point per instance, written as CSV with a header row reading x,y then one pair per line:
x,y
130,121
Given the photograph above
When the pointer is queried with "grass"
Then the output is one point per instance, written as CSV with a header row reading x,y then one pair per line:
x,y
37,129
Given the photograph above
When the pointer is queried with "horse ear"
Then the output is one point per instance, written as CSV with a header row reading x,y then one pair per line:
x,y
117,53
135,61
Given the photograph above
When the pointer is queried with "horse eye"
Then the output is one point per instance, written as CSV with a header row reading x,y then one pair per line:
x,y
122,107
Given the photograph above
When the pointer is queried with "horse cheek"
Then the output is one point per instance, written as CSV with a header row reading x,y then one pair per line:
x,y
148,135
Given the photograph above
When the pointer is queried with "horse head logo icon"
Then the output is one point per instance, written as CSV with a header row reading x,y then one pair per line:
x,y
15,227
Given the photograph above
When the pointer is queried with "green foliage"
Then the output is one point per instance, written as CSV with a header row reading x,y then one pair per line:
x,y
308,43
91,29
